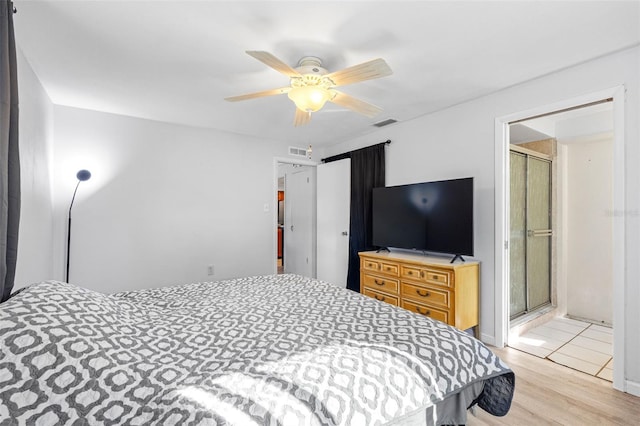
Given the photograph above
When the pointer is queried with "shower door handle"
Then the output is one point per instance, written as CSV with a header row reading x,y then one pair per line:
x,y
539,232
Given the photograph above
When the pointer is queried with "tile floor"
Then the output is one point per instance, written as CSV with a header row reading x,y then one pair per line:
x,y
576,344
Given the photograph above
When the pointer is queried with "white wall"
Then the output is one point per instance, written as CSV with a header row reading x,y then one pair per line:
x,y
164,202
459,141
453,143
35,241
589,228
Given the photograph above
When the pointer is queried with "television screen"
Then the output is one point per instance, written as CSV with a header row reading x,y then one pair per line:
x,y
428,216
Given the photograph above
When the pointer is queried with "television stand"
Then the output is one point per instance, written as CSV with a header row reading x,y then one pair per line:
x,y
383,249
457,256
426,285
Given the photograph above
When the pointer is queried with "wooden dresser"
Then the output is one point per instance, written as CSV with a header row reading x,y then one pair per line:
x,y
430,286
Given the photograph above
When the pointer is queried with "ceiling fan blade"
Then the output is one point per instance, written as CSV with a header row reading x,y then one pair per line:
x,y
301,118
366,71
273,62
355,104
262,94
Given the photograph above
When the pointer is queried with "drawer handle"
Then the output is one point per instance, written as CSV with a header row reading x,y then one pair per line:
x,y
378,283
425,294
388,268
380,298
427,312
410,272
370,265
421,274
435,277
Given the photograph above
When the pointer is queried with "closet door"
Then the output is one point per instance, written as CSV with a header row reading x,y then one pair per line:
x,y
333,213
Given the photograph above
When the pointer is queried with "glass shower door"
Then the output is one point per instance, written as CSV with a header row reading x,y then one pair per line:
x,y
530,240
539,233
518,235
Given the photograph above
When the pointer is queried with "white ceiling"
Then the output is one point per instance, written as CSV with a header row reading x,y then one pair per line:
x,y
175,61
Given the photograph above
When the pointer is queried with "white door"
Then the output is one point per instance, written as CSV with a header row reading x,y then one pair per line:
x,y
334,201
299,222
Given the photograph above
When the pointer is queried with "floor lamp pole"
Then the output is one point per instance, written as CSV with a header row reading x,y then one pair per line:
x,y
66,275
82,175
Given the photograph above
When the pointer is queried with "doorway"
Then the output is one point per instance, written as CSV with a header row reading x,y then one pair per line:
x,y
280,227
561,227
314,200
560,268
552,316
300,221
295,218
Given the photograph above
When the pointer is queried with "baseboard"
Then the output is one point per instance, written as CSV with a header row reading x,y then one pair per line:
x,y
488,339
632,387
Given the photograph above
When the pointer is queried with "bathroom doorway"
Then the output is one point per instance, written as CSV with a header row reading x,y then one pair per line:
x,y
561,240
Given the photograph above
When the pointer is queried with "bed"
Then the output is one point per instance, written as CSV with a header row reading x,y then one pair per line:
x,y
266,350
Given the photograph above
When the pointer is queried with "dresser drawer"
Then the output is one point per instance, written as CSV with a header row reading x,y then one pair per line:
x,y
437,277
427,275
410,271
393,300
436,314
386,268
426,295
390,268
386,284
370,265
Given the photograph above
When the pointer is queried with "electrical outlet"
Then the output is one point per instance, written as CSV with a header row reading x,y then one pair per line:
x,y
210,270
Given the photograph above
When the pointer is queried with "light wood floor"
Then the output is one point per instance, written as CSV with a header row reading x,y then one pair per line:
x,y
550,394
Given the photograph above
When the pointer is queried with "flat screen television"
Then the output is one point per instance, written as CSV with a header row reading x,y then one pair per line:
x,y
428,216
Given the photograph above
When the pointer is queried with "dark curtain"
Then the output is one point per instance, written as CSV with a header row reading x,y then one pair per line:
x,y
367,172
9,159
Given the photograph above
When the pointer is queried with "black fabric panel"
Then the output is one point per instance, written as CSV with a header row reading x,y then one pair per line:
x,y
497,394
367,172
10,162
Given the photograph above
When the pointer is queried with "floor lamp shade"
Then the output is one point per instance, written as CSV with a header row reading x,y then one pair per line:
x,y
82,175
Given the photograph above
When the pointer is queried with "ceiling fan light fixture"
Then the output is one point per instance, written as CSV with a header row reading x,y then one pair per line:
x,y
311,85
309,98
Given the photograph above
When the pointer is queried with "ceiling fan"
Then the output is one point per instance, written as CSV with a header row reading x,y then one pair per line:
x,y
311,85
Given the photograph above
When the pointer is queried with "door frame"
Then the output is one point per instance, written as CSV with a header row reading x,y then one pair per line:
x,y
501,251
274,202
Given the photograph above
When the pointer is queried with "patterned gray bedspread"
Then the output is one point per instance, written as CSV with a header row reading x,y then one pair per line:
x,y
272,350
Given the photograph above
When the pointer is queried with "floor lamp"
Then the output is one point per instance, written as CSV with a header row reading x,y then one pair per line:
x,y
82,175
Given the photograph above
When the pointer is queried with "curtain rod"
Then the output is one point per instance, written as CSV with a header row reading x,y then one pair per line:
x,y
387,142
